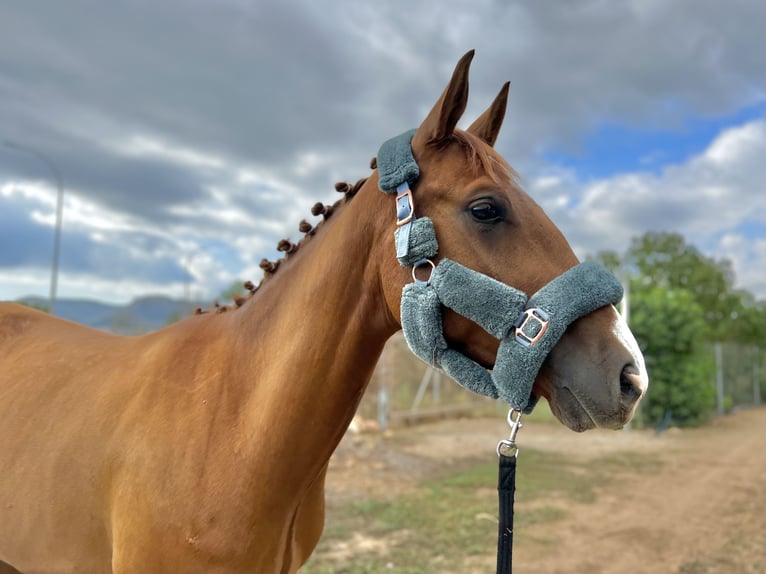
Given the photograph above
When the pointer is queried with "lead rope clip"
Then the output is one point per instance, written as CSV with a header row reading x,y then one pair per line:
x,y
507,447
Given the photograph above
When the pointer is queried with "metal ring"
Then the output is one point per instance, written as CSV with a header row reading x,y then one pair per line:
x,y
423,263
505,443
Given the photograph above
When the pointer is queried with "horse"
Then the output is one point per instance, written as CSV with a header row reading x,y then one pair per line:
x,y
203,446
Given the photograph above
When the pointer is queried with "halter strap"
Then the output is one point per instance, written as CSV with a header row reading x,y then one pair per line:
x,y
415,239
396,164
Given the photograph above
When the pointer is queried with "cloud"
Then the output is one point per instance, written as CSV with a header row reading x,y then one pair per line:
x,y
215,125
23,242
706,199
749,258
115,251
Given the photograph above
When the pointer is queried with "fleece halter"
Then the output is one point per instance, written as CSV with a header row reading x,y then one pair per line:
x,y
528,328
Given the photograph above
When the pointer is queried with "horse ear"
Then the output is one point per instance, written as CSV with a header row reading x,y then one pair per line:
x,y
442,119
487,125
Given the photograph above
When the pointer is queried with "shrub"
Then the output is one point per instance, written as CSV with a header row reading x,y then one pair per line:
x,y
670,328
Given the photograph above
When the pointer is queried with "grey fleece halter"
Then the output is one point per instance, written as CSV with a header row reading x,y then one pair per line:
x,y
528,328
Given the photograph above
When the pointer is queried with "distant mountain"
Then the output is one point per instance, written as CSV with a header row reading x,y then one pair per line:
x,y
140,316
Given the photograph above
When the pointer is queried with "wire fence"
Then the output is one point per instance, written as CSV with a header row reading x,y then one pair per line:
x,y
740,379
404,390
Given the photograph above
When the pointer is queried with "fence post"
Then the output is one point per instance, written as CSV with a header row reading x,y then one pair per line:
x,y
382,407
427,374
756,376
437,388
719,376
383,389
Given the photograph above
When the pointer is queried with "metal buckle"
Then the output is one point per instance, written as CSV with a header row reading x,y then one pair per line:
x,y
405,208
534,314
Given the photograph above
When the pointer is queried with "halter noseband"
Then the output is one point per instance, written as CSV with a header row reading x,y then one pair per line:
x,y
528,328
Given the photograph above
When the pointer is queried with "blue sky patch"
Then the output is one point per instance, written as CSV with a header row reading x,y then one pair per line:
x,y
612,149
752,229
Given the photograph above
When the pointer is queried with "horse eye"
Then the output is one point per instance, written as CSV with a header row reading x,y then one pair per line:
x,y
485,211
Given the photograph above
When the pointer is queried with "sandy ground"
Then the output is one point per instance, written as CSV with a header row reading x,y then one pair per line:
x,y
703,510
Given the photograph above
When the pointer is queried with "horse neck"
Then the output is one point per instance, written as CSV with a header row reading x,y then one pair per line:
x,y
314,332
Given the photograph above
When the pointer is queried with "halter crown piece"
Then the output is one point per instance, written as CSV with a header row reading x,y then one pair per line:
x,y
528,328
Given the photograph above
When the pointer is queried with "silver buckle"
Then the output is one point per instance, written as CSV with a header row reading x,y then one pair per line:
x,y
530,315
405,208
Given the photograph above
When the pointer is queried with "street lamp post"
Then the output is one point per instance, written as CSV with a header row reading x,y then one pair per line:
x,y
59,216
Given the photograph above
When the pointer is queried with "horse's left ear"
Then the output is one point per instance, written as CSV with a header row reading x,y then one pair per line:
x,y
441,121
488,124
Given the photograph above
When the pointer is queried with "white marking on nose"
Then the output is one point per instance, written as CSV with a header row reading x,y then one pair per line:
x,y
624,334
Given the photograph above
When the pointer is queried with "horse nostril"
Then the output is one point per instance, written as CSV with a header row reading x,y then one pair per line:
x,y
630,384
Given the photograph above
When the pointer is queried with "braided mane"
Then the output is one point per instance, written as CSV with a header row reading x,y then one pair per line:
x,y
480,156
288,247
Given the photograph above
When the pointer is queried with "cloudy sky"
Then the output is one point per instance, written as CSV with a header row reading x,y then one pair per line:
x,y
192,136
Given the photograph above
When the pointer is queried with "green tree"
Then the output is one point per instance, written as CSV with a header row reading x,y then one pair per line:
x,y
670,327
749,324
681,301
610,259
666,260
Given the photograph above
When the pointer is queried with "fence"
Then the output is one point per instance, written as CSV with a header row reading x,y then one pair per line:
x,y
740,375
404,390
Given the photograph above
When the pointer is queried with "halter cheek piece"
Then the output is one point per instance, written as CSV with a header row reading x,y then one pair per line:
x,y
528,328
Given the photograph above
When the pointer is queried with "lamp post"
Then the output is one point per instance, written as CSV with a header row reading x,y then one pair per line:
x,y
59,215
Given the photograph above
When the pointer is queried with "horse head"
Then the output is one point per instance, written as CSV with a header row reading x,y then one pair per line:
x,y
594,375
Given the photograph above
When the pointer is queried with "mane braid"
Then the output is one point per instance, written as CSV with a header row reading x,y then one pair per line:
x,y
480,155
289,248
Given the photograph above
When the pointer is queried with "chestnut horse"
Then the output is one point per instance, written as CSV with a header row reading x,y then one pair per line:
x,y
203,447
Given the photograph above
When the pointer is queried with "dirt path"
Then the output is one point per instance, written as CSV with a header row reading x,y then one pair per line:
x,y
702,510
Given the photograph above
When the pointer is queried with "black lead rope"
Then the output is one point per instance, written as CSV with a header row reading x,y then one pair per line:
x,y
506,487
507,454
